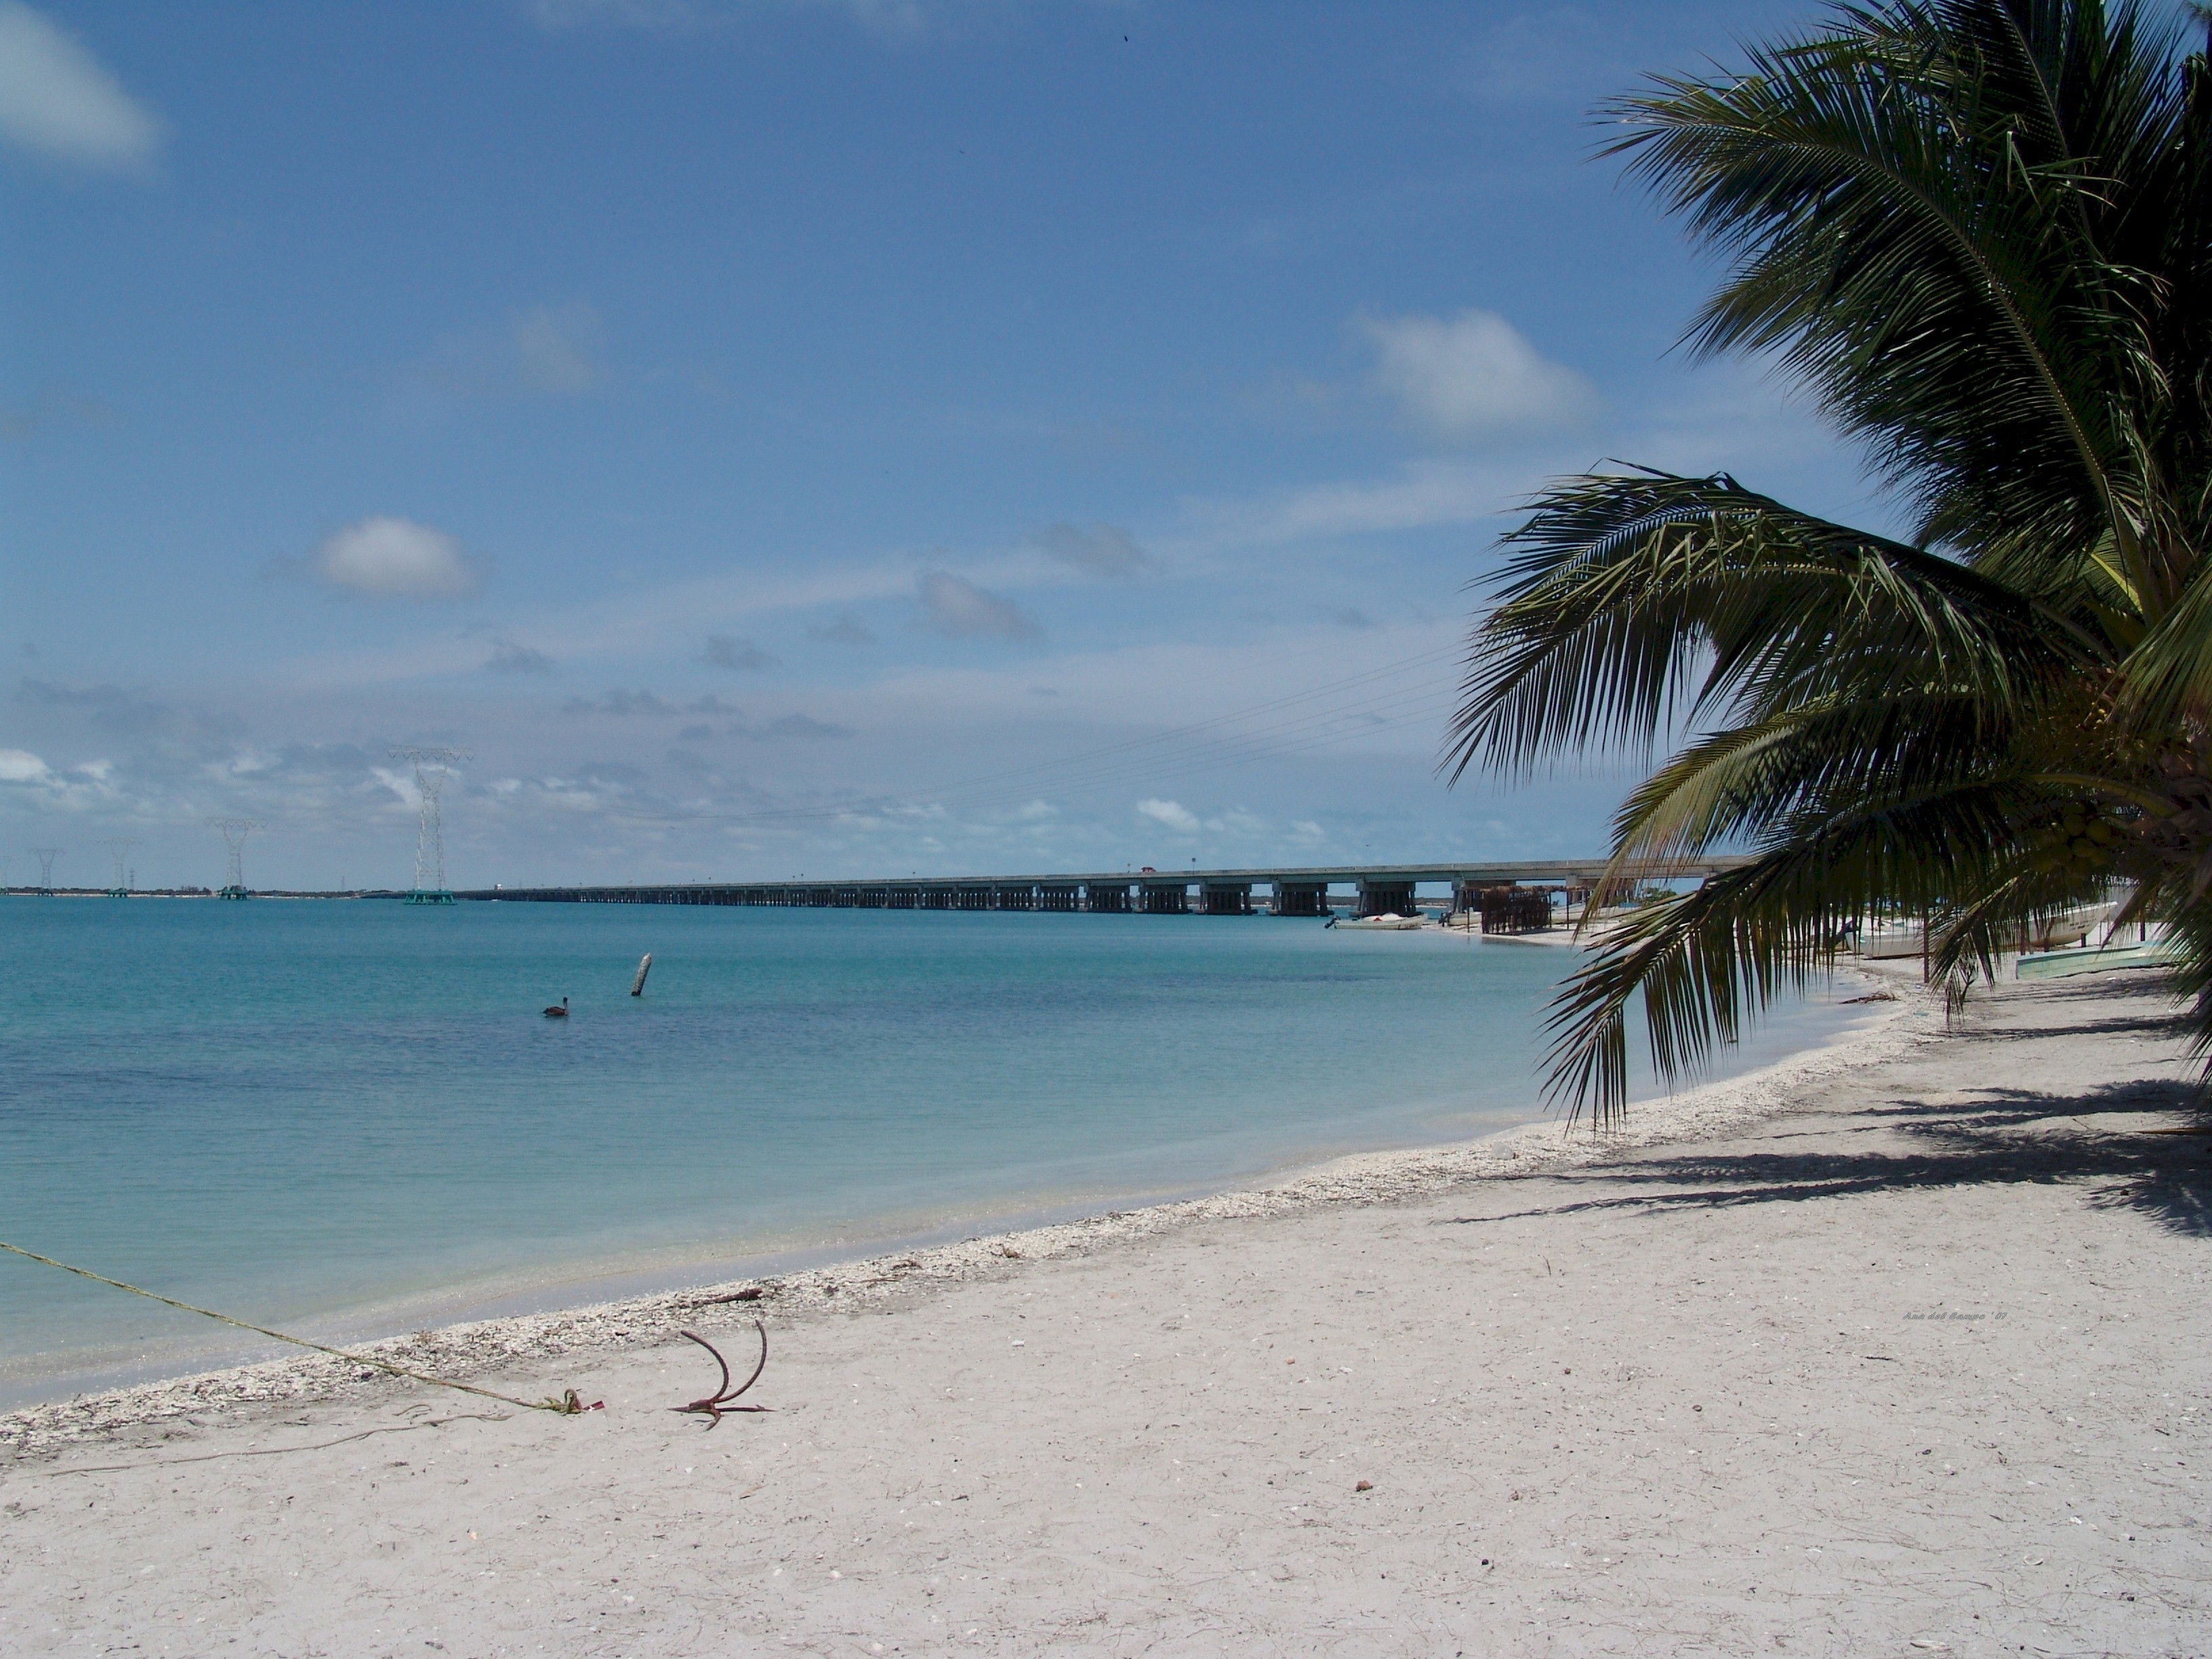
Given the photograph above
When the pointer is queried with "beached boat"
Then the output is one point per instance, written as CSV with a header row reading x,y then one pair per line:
x,y
1893,942
2064,964
1389,923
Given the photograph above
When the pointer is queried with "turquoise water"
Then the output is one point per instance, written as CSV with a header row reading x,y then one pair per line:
x,y
350,1118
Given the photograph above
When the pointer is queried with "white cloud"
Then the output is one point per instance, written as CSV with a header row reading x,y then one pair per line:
x,y
56,99
389,558
1101,550
964,610
1474,375
21,766
1172,815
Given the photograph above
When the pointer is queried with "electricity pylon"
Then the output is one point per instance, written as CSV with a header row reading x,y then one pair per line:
x,y
431,767
234,832
119,850
45,856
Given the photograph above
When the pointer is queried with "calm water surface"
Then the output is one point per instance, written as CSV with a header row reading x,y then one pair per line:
x,y
350,1118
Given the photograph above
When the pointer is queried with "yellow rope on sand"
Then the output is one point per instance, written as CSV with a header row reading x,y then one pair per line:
x,y
567,1405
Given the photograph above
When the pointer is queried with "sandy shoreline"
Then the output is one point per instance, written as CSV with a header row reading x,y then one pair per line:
x,y
1900,1347
466,1350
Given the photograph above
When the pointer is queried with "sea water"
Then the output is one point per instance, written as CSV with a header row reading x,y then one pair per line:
x,y
352,1118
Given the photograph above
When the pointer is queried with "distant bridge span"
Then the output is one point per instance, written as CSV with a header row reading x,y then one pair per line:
x,y
1289,892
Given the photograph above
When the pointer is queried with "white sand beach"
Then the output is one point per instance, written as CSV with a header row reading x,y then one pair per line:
x,y
1898,1348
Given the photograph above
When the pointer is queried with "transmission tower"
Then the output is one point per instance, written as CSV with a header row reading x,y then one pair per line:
x,y
45,856
119,850
234,832
431,767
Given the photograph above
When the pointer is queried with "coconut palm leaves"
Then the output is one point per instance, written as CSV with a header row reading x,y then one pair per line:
x,y
1980,233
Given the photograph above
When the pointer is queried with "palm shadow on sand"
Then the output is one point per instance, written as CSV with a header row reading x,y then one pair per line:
x,y
2106,1140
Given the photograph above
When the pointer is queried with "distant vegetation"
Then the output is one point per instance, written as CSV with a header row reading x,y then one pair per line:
x,y
1980,233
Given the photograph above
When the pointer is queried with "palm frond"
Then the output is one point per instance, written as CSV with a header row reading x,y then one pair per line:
x,y
1980,231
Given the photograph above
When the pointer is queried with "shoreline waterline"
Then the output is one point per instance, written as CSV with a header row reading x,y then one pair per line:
x,y
472,1350
345,1122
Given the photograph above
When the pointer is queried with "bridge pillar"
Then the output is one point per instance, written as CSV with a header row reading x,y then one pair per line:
x,y
935,898
1060,896
1223,898
1019,896
1164,899
1107,897
1300,898
971,898
1379,899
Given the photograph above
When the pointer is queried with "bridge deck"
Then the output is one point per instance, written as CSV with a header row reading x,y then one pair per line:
x,y
1305,891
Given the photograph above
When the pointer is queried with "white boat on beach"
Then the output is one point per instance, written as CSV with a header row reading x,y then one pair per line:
x,y
2066,964
1892,942
1388,922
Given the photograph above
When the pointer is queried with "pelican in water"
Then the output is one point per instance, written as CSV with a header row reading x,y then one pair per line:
x,y
559,1012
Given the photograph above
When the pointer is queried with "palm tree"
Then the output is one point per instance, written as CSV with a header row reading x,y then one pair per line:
x,y
1980,233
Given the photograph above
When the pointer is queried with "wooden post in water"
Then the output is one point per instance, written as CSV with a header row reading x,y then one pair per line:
x,y
644,967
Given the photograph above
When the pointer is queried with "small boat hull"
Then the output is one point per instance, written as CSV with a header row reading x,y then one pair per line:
x,y
2064,964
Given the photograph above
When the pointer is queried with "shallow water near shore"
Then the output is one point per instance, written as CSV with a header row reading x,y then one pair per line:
x,y
350,1118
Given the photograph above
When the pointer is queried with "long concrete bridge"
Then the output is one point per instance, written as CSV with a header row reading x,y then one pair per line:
x,y
1373,890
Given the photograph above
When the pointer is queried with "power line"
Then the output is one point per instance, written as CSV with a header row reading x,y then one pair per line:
x,y
234,832
432,767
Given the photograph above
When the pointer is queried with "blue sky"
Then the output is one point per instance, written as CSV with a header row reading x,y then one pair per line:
x,y
836,436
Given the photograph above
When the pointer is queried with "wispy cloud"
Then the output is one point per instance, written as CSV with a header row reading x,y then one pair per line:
x,y
393,558
513,657
742,655
620,703
1415,495
1553,53
894,19
59,101
1474,376
555,350
1103,550
53,406
803,726
559,15
110,708
1170,815
540,351
845,629
955,607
